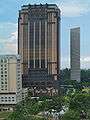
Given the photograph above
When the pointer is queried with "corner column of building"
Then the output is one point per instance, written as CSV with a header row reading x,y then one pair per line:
x,y
28,44
45,44
39,44
34,45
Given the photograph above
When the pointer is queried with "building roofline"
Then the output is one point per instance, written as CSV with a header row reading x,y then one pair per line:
x,y
39,5
75,28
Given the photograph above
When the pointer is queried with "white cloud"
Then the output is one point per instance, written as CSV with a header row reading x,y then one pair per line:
x,y
11,44
8,43
85,59
74,8
65,62
14,36
85,62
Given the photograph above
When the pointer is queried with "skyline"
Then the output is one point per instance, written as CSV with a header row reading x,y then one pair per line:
x,y
79,16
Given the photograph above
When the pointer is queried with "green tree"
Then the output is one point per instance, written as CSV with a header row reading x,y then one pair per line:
x,y
71,115
80,101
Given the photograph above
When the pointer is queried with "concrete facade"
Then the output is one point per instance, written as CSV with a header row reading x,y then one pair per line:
x,y
10,80
75,53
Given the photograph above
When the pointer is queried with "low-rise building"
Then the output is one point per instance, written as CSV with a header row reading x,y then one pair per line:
x,y
10,80
24,93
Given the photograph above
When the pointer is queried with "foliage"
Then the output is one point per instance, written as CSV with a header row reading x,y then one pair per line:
x,y
4,114
71,115
31,107
65,74
80,101
85,74
75,99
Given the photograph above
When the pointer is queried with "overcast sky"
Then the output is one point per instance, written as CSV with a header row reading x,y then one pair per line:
x,y
73,13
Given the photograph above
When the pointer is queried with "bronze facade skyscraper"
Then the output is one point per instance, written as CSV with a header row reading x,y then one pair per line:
x,y
38,38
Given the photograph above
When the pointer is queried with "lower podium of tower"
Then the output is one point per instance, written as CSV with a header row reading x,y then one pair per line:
x,y
40,83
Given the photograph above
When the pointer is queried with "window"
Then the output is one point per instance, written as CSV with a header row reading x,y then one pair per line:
x,y
5,86
2,82
19,71
19,78
1,60
18,81
5,82
1,69
19,75
31,63
12,98
18,65
43,63
9,98
6,72
5,65
37,63
5,100
1,72
5,69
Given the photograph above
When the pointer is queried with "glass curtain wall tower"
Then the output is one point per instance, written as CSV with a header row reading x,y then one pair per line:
x,y
75,53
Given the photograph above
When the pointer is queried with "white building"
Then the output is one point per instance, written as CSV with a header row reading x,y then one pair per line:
x,y
10,79
24,93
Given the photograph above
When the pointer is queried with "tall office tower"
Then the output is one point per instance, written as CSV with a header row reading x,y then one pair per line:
x,y
75,53
38,38
10,80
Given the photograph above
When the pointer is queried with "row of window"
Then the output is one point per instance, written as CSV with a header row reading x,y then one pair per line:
x,y
3,75
2,69
7,99
3,87
3,60
2,82
3,72
2,79
4,65
37,63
